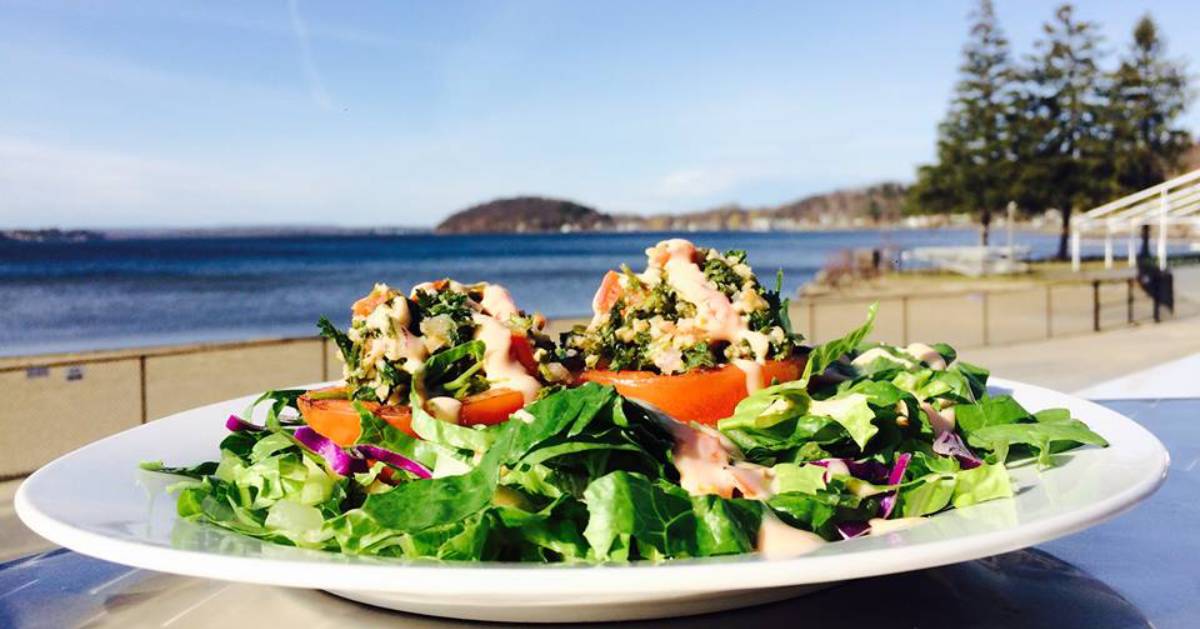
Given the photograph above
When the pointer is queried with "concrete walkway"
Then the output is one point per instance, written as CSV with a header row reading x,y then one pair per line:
x,y
1076,363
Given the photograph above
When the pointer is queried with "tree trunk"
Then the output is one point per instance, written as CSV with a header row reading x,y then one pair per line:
x,y
985,227
1064,238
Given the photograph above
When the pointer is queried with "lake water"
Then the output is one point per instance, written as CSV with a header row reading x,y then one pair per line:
x,y
122,293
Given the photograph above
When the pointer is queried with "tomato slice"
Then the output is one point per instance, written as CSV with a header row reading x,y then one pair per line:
x,y
338,419
368,304
521,351
490,407
699,395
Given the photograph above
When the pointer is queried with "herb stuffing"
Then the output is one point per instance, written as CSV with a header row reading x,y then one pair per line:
x,y
430,335
693,307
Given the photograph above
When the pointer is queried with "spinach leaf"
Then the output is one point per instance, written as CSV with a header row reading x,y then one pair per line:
x,y
631,517
553,533
452,371
824,355
725,526
344,344
819,512
975,376
946,352
781,305
420,505
990,411
1040,436
196,471
281,399
784,440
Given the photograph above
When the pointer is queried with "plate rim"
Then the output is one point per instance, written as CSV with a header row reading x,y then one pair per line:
x,y
741,572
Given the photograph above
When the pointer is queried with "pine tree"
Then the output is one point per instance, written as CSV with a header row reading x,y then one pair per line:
x,y
1147,96
1059,129
974,162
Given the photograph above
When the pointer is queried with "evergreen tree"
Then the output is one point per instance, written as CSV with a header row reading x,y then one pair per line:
x,y
974,162
1059,130
1147,95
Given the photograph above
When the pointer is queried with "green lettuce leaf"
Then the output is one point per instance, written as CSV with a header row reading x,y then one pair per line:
x,y
631,517
853,413
805,479
824,355
983,483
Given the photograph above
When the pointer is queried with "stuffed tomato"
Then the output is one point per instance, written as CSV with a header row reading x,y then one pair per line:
x,y
464,354
692,335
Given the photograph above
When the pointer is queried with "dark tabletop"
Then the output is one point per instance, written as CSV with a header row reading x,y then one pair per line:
x,y
1141,569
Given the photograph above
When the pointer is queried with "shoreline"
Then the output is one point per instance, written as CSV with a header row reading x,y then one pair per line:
x,y
216,233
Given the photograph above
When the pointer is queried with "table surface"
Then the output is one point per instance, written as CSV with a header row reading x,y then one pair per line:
x,y
1139,569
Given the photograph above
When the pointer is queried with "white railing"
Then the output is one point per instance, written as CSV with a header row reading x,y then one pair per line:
x,y
1172,202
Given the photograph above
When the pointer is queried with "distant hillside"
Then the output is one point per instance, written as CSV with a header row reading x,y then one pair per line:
x,y
855,207
50,235
525,214
841,208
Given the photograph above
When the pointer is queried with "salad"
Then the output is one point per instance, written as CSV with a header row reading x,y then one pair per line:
x,y
462,432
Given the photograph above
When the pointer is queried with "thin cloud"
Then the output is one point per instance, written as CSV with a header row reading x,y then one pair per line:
x,y
46,184
316,87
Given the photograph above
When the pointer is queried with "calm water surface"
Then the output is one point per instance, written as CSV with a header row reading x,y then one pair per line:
x,y
109,294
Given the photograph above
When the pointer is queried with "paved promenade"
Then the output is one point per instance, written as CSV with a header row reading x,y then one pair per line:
x,y
1078,362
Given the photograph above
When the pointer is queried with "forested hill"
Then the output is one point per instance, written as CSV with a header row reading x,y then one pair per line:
x,y
840,208
525,214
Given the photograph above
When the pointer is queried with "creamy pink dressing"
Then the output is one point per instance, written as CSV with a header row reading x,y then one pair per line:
x,y
599,308
446,409
714,312
752,480
753,371
702,461
502,370
706,466
408,346
926,354
942,421
760,344
880,526
669,360
777,539
498,302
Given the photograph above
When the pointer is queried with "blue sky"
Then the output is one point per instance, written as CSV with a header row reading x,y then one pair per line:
x,y
122,114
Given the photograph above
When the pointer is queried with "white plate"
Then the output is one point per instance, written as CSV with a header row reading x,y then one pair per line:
x,y
95,501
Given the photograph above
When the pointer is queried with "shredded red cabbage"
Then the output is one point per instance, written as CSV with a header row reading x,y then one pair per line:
x,y
852,529
395,459
870,471
895,477
338,459
950,444
237,424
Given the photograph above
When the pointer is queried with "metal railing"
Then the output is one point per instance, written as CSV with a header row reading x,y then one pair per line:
x,y
977,318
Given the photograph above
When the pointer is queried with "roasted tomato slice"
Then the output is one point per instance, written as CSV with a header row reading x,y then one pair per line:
x,y
699,395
